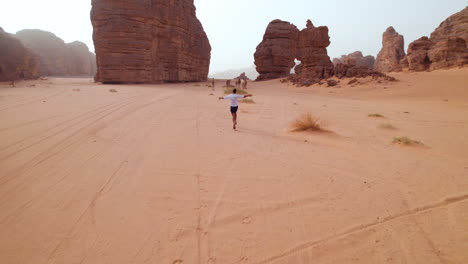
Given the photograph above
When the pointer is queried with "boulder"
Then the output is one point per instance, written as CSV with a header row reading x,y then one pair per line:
x,y
149,41
16,61
274,56
312,52
388,59
449,42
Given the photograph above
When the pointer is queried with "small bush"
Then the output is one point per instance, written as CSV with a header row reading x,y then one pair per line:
x,y
247,101
239,91
306,122
387,126
406,141
376,115
113,90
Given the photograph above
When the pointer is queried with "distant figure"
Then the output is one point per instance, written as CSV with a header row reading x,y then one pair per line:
x,y
244,84
234,105
213,82
228,83
238,82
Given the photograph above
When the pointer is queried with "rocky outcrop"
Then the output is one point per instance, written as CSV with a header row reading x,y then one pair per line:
x,y
283,43
275,55
149,41
449,42
312,52
354,65
356,59
16,61
388,59
57,58
242,76
418,55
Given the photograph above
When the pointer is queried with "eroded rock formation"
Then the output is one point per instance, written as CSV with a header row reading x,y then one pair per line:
x,y
312,52
149,41
418,57
16,61
354,65
56,57
449,42
388,59
275,55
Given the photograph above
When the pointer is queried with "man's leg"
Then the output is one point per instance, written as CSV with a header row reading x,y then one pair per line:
x,y
234,120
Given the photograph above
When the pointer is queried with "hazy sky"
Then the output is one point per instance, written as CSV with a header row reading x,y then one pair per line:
x,y
236,27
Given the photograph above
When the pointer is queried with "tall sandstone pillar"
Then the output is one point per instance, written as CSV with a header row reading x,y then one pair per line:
x,y
149,41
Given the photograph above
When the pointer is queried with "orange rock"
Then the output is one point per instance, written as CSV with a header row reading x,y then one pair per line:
x,y
149,41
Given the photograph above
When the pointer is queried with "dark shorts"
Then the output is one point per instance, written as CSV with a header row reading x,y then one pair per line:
x,y
234,109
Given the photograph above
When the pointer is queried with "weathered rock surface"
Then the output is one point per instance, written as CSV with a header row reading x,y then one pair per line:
x,y
149,41
356,59
418,55
275,55
388,59
312,52
57,58
16,61
354,65
449,42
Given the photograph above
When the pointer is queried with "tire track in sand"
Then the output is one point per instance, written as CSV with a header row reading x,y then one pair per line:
x,y
306,245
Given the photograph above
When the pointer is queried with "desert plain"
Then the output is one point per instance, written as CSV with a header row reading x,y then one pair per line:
x,y
91,173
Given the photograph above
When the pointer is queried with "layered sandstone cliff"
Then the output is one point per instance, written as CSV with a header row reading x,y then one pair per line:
x,y
149,41
16,61
56,57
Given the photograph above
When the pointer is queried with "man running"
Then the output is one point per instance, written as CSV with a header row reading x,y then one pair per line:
x,y
234,105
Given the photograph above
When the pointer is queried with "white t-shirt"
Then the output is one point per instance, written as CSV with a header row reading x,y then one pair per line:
x,y
233,98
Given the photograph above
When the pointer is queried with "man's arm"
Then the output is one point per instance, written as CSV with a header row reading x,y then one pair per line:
x,y
247,95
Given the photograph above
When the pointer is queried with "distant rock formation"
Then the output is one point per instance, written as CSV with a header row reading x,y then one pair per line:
x,y
312,52
388,59
447,46
275,55
16,61
149,41
57,58
355,65
356,59
242,76
80,62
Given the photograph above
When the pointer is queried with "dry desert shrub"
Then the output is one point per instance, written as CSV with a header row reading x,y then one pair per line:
x,y
307,122
387,126
113,90
239,91
247,101
406,141
375,115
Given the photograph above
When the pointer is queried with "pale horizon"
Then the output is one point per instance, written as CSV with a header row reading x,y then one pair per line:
x,y
236,28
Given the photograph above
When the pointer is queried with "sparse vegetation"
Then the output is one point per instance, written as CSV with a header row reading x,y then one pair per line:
x,y
247,101
113,90
306,122
197,85
239,91
406,141
376,115
387,126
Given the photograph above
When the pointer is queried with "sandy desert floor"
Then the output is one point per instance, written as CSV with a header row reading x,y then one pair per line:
x,y
155,174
